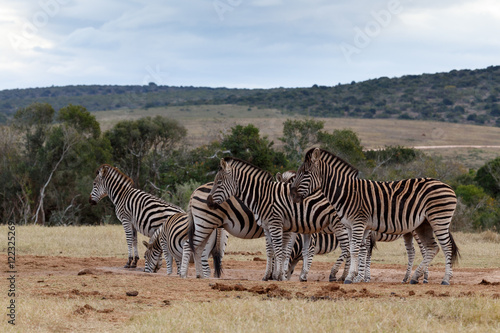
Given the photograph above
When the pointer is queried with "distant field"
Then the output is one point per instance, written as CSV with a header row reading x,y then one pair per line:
x,y
205,123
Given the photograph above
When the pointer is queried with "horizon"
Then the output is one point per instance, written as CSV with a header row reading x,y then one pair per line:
x,y
245,88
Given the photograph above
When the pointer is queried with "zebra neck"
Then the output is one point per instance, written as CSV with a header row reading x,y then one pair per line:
x,y
254,192
340,192
116,192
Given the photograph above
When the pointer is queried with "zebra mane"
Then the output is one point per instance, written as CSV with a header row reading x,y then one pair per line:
x,y
127,178
307,159
240,161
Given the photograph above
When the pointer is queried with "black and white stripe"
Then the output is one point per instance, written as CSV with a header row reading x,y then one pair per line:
x,y
137,210
169,239
271,204
423,205
232,215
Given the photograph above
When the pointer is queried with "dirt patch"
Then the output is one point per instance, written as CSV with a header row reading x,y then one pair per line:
x,y
105,291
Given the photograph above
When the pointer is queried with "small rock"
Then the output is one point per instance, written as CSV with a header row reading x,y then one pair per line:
x,y
86,271
132,293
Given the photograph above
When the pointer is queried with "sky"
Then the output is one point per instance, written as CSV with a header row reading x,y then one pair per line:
x,y
241,43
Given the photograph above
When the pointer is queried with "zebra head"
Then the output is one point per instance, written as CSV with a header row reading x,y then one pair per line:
x,y
152,258
99,190
307,179
225,185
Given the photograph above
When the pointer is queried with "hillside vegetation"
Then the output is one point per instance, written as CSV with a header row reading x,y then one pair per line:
x,y
461,96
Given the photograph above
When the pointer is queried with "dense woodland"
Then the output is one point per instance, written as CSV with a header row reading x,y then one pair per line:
x,y
462,96
48,160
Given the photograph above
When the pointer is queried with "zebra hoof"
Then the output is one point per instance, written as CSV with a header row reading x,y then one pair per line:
x,y
303,280
332,279
126,266
445,283
425,281
347,282
414,282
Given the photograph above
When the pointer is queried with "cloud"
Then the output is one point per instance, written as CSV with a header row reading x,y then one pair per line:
x,y
247,43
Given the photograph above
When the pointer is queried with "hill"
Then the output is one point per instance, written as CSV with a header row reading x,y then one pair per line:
x,y
459,96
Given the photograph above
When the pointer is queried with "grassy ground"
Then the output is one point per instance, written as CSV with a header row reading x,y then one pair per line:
x,y
236,312
478,249
205,123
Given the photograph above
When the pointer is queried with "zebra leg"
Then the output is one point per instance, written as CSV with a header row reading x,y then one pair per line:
x,y
355,244
410,251
276,233
422,251
129,230
308,245
343,241
369,250
134,245
270,257
364,261
186,255
289,242
426,236
204,263
168,257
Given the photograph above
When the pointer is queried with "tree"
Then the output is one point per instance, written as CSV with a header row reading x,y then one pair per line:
x,y
244,142
298,135
343,143
133,141
488,177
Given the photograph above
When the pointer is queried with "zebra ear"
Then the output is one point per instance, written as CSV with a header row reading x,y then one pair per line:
x,y
315,155
224,165
103,170
279,177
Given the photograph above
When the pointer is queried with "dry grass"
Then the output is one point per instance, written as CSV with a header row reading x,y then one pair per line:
x,y
477,249
246,313
365,315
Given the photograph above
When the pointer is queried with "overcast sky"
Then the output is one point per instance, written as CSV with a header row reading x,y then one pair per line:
x,y
241,43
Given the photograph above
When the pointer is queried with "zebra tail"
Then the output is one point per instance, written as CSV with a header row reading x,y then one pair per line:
x,y
217,253
455,253
191,229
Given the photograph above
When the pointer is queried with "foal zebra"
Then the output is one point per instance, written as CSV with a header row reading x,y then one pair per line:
x,y
232,215
423,205
170,237
137,210
270,202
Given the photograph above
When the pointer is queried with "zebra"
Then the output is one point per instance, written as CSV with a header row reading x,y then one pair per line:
x,y
232,215
423,205
138,211
327,241
271,204
170,237
320,243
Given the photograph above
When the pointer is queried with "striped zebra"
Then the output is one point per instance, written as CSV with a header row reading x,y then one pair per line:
x,y
327,241
423,205
137,210
270,202
320,243
232,215
169,239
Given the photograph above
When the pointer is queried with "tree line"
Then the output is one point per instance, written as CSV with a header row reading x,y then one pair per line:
x,y
460,96
48,162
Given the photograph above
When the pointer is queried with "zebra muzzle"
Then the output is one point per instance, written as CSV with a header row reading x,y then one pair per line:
x,y
296,197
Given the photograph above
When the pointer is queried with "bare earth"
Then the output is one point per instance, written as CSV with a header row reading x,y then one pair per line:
x,y
83,279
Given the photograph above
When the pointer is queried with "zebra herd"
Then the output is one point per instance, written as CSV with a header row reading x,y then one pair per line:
x,y
321,207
